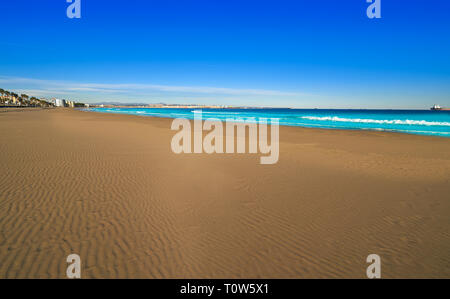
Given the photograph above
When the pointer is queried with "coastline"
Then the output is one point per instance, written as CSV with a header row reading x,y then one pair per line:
x,y
109,188
417,122
283,125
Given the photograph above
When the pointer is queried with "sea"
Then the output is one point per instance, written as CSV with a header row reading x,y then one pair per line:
x,y
421,122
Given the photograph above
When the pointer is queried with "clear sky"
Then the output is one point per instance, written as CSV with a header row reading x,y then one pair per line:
x,y
302,53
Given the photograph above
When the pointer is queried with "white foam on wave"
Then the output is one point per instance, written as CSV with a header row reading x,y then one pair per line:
x,y
379,121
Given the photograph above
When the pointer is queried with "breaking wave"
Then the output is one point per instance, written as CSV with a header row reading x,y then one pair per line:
x,y
379,121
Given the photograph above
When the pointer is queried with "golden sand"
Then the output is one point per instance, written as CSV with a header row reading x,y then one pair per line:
x,y
109,188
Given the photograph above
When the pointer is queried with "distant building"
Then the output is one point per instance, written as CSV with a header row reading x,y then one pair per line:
x,y
60,103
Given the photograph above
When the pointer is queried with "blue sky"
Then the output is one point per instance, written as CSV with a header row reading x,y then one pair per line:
x,y
324,54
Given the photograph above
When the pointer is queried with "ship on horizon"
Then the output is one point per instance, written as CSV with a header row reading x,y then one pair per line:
x,y
439,108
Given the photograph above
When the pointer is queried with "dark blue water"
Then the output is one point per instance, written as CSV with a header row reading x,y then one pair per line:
x,y
422,122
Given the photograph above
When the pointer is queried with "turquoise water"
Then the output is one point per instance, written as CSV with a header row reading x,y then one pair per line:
x,y
422,122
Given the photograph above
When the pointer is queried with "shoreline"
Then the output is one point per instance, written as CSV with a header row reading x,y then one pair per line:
x,y
292,126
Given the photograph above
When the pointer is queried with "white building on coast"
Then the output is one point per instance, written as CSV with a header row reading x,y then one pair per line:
x,y
60,103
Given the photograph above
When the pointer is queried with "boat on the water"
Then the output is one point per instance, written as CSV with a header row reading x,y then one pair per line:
x,y
439,108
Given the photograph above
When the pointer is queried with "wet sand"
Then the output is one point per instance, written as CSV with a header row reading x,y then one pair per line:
x,y
109,188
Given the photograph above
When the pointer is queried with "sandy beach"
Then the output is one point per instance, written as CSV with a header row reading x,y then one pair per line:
x,y
109,188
